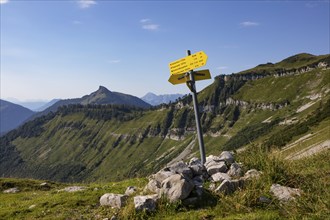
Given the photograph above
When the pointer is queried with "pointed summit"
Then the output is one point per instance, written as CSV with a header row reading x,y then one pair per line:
x,y
103,89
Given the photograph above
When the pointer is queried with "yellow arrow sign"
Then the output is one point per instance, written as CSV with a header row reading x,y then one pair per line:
x,y
182,78
188,63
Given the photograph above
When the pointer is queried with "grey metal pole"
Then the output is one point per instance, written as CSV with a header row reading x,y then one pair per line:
x,y
198,124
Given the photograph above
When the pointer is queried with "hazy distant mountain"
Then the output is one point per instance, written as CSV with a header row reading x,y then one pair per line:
x,y
32,105
47,105
104,96
12,115
100,97
154,99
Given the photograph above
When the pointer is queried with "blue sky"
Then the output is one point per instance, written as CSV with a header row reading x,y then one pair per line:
x,y
66,49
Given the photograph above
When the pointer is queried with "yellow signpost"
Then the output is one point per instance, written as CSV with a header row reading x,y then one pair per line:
x,y
188,63
183,77
182,72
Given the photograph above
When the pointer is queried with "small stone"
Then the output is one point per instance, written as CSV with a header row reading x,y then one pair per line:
x,y
147,203
283,193
73,189
11,190
219,177
216,168
251,174
227,157
230,186
197,169
130,190
32,206
113,200
195,161
265,200
181,168
235,170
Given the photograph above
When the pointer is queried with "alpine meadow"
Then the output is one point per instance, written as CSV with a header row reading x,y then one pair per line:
x,y
273,118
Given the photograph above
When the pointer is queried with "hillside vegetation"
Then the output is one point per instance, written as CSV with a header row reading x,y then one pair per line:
x,y
281,109
49,201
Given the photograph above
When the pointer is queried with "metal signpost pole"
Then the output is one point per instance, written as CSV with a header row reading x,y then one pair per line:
x,y
198,124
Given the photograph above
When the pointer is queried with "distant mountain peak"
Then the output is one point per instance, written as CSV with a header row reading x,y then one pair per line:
x,y
102,89
154,99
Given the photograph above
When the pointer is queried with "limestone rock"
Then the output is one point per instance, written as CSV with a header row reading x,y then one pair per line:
x,y
147,203
73,189
176,187
198,180
283,193
216,168
113,200
219,177
195,161
181,168
153,186
130,190
211,160
230,186
227,157
161,175
235,170
197,169
253,173
11,190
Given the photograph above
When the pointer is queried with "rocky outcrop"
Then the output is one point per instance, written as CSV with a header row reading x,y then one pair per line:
x,y
184,182
263,106
283,193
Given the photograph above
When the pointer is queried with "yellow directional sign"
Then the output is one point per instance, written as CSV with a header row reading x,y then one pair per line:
x,y
182,78
188,63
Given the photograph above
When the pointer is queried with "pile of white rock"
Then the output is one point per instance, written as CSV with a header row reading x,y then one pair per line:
x,y
184,181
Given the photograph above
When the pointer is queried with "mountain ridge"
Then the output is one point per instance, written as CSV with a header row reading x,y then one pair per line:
x,y
102,96
12,115
87,142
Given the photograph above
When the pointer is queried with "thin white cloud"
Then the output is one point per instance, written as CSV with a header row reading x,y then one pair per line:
x,y
86,3
4,1
76,22
249,24
114,61
151,27
144,20
147,24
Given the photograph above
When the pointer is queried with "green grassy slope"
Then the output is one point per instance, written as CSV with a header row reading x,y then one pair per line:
x,y
106,143
310,175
